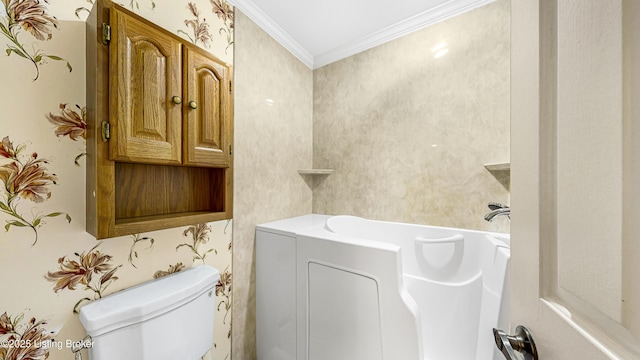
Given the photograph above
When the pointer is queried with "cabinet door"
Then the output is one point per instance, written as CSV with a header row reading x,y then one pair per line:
x,y
207,125
145,92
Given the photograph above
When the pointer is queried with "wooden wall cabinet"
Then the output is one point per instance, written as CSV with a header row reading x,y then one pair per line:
x,y
159,128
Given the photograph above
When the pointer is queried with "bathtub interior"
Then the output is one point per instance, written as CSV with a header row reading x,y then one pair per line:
x,y
465,268
436,253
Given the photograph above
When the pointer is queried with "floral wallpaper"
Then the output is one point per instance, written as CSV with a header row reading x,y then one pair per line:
x,y
25,178
51,266
31,17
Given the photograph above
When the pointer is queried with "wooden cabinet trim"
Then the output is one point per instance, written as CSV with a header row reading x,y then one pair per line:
x,y
102,191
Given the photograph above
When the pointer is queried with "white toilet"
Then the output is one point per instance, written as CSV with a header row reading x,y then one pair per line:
x,y
167,318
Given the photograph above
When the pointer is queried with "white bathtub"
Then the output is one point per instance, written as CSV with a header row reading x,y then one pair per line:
x,y
347,288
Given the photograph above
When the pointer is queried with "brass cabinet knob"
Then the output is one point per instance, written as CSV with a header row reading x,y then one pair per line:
x,y
193,105
176,100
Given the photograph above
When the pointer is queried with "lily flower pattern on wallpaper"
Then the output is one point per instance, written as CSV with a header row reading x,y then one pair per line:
x,y
30,16
200,27
172,269
25,177
225,13
31,331
133,4
50,265
84,271
70,123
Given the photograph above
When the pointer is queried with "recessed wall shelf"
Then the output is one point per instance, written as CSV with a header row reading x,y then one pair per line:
x,y
498,167
502,173
315,171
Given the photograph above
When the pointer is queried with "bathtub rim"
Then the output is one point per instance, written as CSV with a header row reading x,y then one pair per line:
x,y
504,238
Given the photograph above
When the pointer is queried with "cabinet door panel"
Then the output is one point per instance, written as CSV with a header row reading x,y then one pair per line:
x,y
207,119
145,76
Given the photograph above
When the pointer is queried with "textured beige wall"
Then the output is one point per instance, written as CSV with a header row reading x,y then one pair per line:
x,y
408,134
373,118
272,141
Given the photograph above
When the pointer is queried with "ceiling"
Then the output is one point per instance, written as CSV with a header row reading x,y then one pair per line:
x,y
321,32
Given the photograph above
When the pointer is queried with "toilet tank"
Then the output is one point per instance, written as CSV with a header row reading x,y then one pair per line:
x,y
167,318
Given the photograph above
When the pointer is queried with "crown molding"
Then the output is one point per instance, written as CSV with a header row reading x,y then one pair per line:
x,y
402,28
258,16
397,30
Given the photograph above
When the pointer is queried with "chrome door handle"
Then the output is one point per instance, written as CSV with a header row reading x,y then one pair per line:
x,y
521,342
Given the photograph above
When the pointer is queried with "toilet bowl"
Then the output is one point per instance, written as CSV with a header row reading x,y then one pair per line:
x,y
167,318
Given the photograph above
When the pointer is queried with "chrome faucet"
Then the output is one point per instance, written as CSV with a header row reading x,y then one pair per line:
x,y
498,209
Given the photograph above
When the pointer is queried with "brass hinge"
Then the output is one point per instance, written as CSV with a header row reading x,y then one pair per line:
x,y
230,87
230,150
106,131
106,33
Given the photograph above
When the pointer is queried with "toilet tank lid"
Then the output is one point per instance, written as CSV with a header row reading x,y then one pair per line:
x,y
147,300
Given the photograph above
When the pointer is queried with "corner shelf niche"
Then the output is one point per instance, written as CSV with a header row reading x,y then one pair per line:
x,y
498,167
315,171
502,173
313,177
